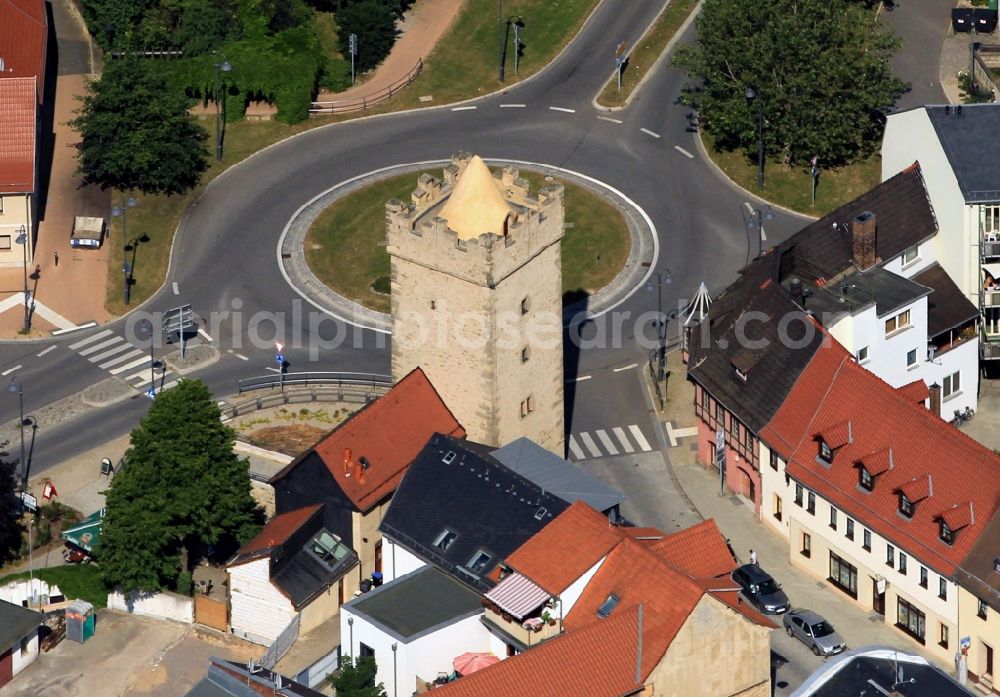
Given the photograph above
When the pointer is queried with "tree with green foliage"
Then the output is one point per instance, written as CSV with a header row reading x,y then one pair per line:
x,y
819,70
374,23
182,489
135,133
357,678
12,528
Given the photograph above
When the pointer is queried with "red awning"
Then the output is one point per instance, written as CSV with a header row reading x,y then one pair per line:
x,y
518,595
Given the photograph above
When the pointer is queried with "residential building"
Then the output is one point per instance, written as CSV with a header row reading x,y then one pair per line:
x,y
865,275
231,679
888,670
461,510
18,639
23,39
978,579
640,619
294,567
414,626
956,150
354,469
477,299
877,495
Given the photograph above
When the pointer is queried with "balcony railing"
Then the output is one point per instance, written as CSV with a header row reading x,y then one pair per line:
x,y
516,629
990,298
990,249
990,350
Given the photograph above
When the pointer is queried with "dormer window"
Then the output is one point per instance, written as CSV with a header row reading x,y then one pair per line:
x,y
905,506
825,452
741,375
608,605
479,562
443,541
946,534
865,479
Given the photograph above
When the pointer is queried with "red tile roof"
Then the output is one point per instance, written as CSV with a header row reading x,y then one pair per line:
x,y
17,135
388,433
595,661
699,551
23,35
564,549
918,488
916,391
276,532
899,441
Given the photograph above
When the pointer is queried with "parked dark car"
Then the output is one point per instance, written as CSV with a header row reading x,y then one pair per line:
x,y
761,590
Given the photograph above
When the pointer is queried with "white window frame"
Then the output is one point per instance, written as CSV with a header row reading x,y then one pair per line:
x,y
951,385
910,255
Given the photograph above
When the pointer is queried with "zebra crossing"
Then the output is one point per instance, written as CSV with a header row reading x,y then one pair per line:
x,y
619,440
118,357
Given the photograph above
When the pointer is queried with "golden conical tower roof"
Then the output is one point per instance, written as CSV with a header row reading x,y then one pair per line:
x,y
476,206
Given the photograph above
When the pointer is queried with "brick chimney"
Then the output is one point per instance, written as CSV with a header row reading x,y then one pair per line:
x,y
934,405
863,240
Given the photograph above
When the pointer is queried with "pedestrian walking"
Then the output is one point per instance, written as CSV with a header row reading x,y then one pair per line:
x,y
753,557
55,257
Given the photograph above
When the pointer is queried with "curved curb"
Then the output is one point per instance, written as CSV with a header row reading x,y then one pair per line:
x,y
695,11
292,264
721,174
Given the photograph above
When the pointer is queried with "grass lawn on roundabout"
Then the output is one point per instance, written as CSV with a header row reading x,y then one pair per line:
x,y
346,246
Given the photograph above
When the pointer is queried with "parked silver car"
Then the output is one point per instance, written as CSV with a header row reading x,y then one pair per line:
x,y
814,631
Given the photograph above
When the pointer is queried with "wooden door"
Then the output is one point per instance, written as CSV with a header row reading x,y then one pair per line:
x,y
378,556
878,599
988,660
6,667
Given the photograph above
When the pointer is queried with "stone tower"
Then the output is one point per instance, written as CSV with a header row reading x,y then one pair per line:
x,y
477,299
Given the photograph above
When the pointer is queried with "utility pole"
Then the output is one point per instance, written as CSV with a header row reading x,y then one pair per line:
x,y
503,40
352,41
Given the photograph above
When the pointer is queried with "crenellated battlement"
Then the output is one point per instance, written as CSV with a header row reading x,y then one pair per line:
x,y
415,231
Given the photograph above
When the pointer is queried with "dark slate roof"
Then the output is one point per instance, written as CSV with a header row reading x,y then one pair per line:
x,y
302,576
16,622
822,250
489,507
853,673
967,138
947,307
220,682
853,291
741,311
417,603
556,475
976,573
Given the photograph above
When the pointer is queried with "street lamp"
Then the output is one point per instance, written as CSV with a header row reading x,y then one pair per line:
x,y
127,267
122,210
17,387
503,41
22,239
756,222
751,95
661,324
223,67
147,328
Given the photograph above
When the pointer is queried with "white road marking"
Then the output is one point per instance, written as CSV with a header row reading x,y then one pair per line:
x,y
574,448
103,345
609,119
625,367
563,109
141,376
639,438
512,106
42,353
649,132
239,355
273,370
683,152
89,339
86,325
118,359
589,443
11,370
130,365
123,346
204,334
606,441
463,108
623,439
177,289
674,433
580,379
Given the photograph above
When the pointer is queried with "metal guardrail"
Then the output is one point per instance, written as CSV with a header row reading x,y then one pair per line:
x,y
263,382
369,100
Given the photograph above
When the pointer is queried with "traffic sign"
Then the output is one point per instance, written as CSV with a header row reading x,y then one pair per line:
x,y
29,501
353,43
178,319
279,359
106,467
151,393
620,51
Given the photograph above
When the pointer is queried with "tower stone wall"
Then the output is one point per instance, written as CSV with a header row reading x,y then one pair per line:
x,y
482,316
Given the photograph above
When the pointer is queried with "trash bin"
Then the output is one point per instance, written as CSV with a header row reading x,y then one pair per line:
x,y
79,621
376,578
985,20
961,19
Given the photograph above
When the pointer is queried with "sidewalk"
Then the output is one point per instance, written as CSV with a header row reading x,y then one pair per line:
x,y
739,523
